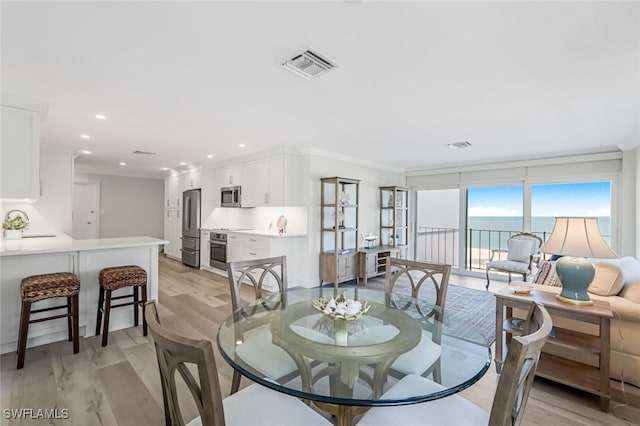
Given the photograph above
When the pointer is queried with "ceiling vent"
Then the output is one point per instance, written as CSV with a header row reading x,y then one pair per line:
x,y
309,64
459,145
138,152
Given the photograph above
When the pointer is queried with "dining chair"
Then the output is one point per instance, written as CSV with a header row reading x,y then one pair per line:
x,y
510,400
523,256
401,276
257,351
175,352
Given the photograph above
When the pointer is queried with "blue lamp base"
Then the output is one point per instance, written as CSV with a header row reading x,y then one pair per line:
x,y
576,274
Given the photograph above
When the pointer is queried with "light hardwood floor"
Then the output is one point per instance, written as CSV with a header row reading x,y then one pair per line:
x,y
119,384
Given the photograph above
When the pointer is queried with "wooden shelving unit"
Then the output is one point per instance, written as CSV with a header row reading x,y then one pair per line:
x,y
338,229
394,216
562,358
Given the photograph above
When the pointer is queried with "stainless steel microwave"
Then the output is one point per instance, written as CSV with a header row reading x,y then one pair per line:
x,y
231,196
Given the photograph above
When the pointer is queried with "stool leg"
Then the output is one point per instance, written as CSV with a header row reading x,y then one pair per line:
x,y
142,303
107,311
69,318
24,329
76,324
100,309
135,306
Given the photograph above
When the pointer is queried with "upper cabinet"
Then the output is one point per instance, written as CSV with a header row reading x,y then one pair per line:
x,y
269,182
20,145
177,183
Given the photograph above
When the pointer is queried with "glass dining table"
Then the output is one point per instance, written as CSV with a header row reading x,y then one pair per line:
x,y
285,343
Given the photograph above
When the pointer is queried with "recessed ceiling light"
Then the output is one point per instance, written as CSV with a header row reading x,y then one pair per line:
x,y
209,155
242,145
83,136
101,117
459,145
182,163
165,168
86,151
123,163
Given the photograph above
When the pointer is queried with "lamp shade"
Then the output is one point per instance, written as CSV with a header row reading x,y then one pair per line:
x,y
578,236
575,239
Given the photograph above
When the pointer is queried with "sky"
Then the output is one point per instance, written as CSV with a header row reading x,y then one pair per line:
x,y
572,199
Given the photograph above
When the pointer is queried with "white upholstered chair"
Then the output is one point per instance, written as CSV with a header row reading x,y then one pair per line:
x,y
256,350
523,256
510,399
424,359
252,405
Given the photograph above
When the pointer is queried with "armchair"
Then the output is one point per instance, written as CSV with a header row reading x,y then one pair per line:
x,y
523,256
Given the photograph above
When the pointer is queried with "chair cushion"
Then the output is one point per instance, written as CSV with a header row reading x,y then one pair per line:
x,y
257,404
510,265
519,250
451,410
258,351
46,286
607,280
117,277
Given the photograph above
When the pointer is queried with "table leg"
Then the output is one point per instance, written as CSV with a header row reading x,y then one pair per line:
x,y
499,345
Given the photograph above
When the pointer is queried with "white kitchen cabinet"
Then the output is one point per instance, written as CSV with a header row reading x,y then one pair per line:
x,y
192,178
234,175
20,162
173,233
274,182
175,183
243,246
204,249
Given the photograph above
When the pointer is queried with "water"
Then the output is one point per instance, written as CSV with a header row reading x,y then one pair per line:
x,y
540,226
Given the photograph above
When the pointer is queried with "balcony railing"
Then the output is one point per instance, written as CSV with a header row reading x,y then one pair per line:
x,y
440,245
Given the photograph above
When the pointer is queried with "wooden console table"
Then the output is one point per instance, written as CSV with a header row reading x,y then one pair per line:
x,y
561,369
372,261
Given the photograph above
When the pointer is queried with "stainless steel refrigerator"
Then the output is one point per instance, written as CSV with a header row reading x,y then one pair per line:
x,y
191,228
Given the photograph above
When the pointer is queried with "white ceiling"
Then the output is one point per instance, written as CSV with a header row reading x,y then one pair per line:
x,y
516,79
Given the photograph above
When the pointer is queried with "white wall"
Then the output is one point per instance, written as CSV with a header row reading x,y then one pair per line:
x,y
52,212
129,206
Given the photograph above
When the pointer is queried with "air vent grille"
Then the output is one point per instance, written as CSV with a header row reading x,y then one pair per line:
x,y
459,145
309,64
138,152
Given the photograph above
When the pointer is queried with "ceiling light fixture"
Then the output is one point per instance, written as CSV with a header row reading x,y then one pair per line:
x,y
86,151
459,145
182,163
242,145
123,163
165,168
101,117
209,155
83,136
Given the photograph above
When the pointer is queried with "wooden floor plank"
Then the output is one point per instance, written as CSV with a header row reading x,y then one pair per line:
x,y
131,402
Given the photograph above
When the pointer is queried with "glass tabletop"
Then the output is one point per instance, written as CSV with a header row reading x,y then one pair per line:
x,y
285,343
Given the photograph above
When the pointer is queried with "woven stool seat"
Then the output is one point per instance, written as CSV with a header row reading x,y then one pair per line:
x,y
46,286
122,276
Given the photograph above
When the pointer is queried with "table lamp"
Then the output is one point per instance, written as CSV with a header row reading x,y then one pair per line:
x,y
575,239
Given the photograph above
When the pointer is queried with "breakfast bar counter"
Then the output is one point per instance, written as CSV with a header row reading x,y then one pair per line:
x,y
85,258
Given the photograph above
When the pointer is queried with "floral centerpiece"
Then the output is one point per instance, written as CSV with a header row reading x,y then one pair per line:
x,y
341,307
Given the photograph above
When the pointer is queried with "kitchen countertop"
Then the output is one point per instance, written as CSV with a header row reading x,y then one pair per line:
x,y
62,243
257,232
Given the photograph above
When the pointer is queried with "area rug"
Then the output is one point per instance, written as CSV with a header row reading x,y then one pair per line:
x,y
476,308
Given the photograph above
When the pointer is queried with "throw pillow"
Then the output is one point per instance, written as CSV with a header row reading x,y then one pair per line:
x,y
631,271
518,250
607,281
547,275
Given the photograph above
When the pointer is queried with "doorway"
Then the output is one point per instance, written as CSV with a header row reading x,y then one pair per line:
x,y
86,205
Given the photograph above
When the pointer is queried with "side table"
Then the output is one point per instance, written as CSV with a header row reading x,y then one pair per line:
x,y
561,369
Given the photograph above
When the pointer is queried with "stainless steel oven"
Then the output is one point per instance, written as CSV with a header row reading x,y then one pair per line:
x,y
218,250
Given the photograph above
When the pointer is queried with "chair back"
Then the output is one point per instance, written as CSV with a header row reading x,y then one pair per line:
x,y
519,369
416,274
536,242
173,353
256,272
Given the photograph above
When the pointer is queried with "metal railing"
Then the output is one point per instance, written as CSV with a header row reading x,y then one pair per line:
x,y
440,245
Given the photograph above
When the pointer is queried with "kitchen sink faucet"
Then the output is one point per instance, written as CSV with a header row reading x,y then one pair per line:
x,y
23,213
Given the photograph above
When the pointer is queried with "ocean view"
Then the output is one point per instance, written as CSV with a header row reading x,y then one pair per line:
x,y
539,226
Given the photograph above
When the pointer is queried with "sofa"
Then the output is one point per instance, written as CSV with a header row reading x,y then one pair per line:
x,y
618,282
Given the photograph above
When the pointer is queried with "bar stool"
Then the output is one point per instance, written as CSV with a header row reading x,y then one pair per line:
x,y
116,278
40,287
